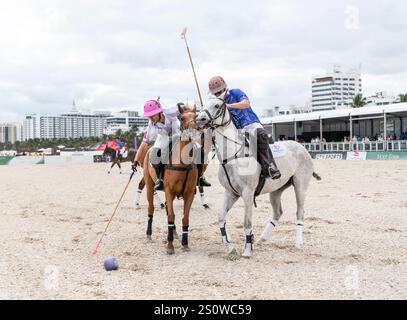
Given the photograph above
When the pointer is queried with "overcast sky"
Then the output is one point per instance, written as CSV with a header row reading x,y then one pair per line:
x,y
117,54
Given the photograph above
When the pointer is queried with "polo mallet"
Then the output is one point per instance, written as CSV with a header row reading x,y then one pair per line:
x,y
111,218
183,36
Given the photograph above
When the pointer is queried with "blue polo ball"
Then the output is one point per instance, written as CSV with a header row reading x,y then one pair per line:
x,y
111,263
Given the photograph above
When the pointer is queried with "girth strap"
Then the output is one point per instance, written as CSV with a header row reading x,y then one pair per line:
x,y
178,168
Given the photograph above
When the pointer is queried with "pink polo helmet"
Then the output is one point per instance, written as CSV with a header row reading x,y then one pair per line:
x,y
151,108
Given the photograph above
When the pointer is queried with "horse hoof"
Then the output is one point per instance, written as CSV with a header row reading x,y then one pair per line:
x,y
186,248
298,245
170,251
138,206
260,241
206,206
149,237
232,255
246,254
162,206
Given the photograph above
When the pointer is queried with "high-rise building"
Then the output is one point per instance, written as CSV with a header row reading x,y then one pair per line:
x,y
336,89
10,132
76,124
381,99
73,124
124,120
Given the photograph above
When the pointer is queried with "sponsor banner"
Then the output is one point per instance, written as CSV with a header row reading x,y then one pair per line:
x,y
328,155
356,155
395,155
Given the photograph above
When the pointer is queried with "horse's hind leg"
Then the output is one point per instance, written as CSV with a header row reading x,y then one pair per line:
x,y
300,187
204,203
157,197
141,186
275,200
113,163
229,200
248,228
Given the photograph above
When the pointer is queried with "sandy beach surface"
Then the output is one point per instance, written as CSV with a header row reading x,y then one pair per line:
x,y
355,238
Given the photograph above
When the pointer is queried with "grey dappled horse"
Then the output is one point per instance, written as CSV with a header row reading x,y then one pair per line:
x,y
240,172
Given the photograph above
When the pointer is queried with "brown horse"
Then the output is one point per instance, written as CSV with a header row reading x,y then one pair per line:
x,y
180,180
156,195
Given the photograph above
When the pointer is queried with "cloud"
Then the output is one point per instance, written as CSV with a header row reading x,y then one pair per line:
x,y
118,54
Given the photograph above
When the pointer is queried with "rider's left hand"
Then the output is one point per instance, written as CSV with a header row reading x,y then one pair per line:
x,y
135,165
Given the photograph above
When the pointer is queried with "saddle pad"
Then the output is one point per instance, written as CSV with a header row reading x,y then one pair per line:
x,y
278,150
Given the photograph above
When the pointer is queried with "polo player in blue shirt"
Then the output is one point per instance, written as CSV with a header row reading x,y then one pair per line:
x,y
244,118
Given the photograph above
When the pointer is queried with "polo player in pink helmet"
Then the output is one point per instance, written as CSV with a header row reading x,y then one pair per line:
x,y
163,124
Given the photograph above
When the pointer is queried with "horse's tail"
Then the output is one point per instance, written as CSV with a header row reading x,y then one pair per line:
x,y
316,176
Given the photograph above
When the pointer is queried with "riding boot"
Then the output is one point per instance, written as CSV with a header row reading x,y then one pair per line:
x,y
159,184
266,160
273,170
201,179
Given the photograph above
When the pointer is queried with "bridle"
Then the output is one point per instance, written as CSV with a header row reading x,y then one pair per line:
x,y
222,110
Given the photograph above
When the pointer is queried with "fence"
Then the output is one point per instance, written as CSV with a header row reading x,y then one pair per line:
x,y
393,145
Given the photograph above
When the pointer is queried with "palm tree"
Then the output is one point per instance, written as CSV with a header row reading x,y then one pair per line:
x,y
403,97
358,101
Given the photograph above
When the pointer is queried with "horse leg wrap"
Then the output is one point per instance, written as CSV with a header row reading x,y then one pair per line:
x,y
249,239
268,230
150,226
138,195
184,235
224,234
298,232
171,227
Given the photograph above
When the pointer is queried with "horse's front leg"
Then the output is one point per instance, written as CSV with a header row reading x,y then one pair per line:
x,y
150,209
169,206
248,231
188,199
229,200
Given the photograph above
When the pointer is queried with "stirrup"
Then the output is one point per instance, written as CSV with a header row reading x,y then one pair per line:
x,y
203,183
159,185
274,174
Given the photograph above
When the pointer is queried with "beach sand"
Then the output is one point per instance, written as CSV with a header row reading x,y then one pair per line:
x,y
355,238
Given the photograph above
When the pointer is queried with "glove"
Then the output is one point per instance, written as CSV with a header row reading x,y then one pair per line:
x,y
135,165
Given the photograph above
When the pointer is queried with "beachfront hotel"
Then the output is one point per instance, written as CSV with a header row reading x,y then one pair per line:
x,y
79,124
124,120
336,89
63,126
10,132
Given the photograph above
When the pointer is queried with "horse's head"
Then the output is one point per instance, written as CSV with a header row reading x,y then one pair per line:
x,y
213,114
188,116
